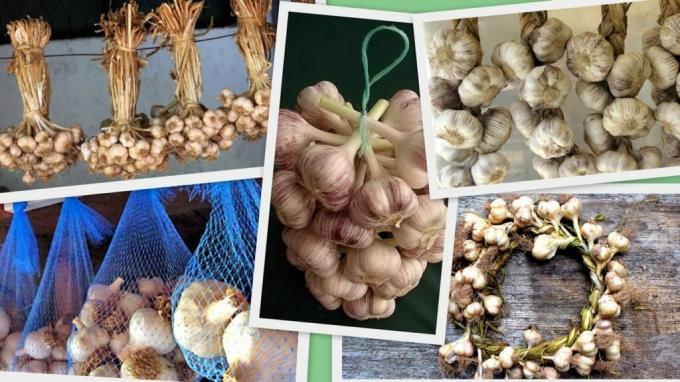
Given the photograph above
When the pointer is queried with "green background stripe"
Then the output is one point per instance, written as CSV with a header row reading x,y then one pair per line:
x,y
320,345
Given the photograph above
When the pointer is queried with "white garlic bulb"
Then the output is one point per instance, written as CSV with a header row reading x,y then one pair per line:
x,y
628,74
403,281
85,341
615,161
404,112
650,157
597,138
459,128
668,115
594,96
514,59
548,41
525,119
454,156
628,117
545,246
664,67
370,306
589,56
552,138
149,329
506,356
669,34
453,176
481,85
490,169
607,307
578,165
497,122
452,53
423,232
546,87
374,264
444,94
547,168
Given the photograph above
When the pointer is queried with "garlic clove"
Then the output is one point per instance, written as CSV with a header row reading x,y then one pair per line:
x,y
628,74
481,85
318,254
490,169
669,34
589,56
328,301
578,165
596,136
549,41
594,96
453,177
453,53
370,306
383,203
444,94
294,205
372,265
546,87
514,59
459,128
338,285
525,119
404,281
404,113
664,67
552,138
547,168
497,124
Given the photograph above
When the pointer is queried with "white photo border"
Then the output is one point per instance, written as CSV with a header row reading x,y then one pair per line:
x,y
438,192
255,319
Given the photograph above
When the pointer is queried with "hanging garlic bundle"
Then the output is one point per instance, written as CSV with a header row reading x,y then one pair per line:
x,y
249,112
126,145
542,229
36,146
192,130
467,139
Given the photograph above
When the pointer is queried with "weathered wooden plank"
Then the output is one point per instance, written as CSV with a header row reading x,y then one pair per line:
x,y
551,294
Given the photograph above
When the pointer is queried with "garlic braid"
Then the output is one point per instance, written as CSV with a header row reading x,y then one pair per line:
x,y
668,8
614,25
529,21
470,25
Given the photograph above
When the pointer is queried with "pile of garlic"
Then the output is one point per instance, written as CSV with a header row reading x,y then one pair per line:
x,y
354,223
128,335
545,227
44,350
248,114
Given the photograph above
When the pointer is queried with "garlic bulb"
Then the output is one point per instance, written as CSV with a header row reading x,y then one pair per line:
x,y
454,156
628,117
618,242
597,138
514,59
668,115
318,254
589,56
497,122
85,341
651,37
548,41
497,235
258,354
374,264
129,303
481,85
552,138
149,330
383,203
546,246
459,128
498,211
607,307
664,95
546,87
38,344
370,306
150,287
405,280
594,96
203,311
577,165
471,250
294,206
145,364
525,119
669,34
99,292
404,112
462,347
452,53
583,364
547,168
5,324
664,67
613,352
338,285
532,336
473,311
616,161
650,157
328,301
585,343
628,74
105,371
339,228
492,304
423,232
490,169
506,357
308,106
444,94
453,177
562,359
614,282
473,276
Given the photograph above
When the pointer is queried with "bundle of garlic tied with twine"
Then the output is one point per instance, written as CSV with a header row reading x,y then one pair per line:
x,y
249,112
542,228
127,145
36,146
345,190
192,130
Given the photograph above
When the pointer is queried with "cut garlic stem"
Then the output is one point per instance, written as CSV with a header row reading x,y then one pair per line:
x,y
387,161
384,130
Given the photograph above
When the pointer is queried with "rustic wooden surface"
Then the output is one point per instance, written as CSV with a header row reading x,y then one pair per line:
x,y
551,294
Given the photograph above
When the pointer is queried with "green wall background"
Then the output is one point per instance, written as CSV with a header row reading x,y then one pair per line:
x,y
320,354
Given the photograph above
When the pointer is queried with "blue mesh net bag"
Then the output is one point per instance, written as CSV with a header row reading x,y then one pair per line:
x,y
62,290
19,272
123,329
210,304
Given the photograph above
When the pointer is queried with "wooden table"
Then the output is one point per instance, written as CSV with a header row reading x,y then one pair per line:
x,y
551,294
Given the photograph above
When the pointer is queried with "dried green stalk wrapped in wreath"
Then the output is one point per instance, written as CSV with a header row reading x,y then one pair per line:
x,y
36,146
541,228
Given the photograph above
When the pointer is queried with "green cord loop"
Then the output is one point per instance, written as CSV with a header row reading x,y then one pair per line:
x,y
363,130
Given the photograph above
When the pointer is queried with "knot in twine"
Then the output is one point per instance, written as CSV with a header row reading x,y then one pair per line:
x,y
369,81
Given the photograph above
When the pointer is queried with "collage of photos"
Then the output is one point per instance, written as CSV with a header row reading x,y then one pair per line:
x,y
293,191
